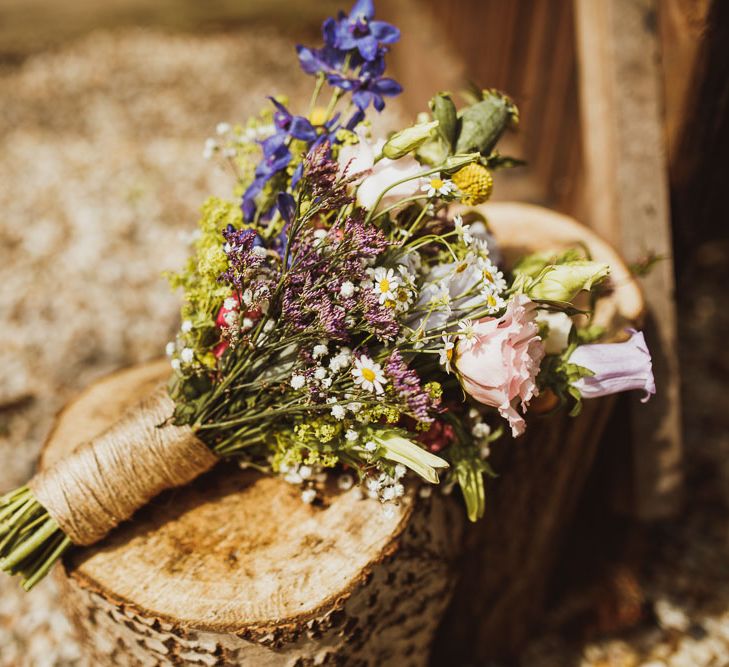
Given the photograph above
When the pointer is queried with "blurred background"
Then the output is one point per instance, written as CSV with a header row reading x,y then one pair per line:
x,y
104,109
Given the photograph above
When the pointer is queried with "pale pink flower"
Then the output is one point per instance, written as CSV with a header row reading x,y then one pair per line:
x,y
501,365
380,175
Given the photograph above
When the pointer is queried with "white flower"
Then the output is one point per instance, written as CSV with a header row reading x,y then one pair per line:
x,y
326,383
558,330
247,321
305,472
347,289
320,350
351,435
345,482
491,274
230,303
481,430
175,363
438,187
464,231
258,251
247,297
338,412
187,355
370,446
320,373
388,493
385,283
369,375
354,407
493,300
210,147
308,496
446,353
170,348
186,326
381,176
400,471
222,128
297,381
467,334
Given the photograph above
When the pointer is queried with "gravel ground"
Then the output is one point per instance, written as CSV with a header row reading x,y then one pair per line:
x,y
100,177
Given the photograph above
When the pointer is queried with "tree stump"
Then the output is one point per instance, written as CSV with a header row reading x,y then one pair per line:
x,y
236,570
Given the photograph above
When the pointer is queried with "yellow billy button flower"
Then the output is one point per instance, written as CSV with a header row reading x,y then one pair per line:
x,y
475,183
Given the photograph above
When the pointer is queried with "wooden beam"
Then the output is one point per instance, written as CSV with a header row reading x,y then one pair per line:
x,y
627,196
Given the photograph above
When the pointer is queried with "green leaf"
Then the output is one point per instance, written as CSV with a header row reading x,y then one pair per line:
x,y
469,474
401,450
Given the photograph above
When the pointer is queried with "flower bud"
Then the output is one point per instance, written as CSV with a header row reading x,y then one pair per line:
x,y
563,282
407,140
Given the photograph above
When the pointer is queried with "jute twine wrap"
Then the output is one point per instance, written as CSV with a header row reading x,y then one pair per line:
x,y
108,478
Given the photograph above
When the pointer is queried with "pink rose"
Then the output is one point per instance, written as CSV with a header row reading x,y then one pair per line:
x,y
500,365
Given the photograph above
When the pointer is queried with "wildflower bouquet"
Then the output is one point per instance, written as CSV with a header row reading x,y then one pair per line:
x,y
343,312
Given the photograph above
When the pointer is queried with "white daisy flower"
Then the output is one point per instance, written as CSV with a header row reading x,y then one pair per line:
x,y
438,187
297,381
494,301
446,353
491,274
369,375
464,231
467,333
385,283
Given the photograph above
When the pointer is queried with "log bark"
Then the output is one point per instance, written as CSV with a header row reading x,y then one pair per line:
x,y
236,570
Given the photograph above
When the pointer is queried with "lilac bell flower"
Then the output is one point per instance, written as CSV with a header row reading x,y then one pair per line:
x,y
328,59
617,367
359,31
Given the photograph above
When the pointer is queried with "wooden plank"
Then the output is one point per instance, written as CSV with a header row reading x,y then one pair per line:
x,y
627,197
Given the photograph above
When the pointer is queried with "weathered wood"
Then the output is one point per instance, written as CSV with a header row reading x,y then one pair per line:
x,y
236,570
627,194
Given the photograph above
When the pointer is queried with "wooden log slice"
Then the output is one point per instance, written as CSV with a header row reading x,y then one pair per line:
x,y
236,570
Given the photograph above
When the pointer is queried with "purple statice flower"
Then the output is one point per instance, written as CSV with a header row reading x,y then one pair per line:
x,y
407,384
245,256
358,30
368,86
368,239
380,320
616,367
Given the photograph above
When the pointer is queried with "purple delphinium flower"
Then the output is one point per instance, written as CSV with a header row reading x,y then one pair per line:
x,y
368,86
359,30
407,384
327,59
616,367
